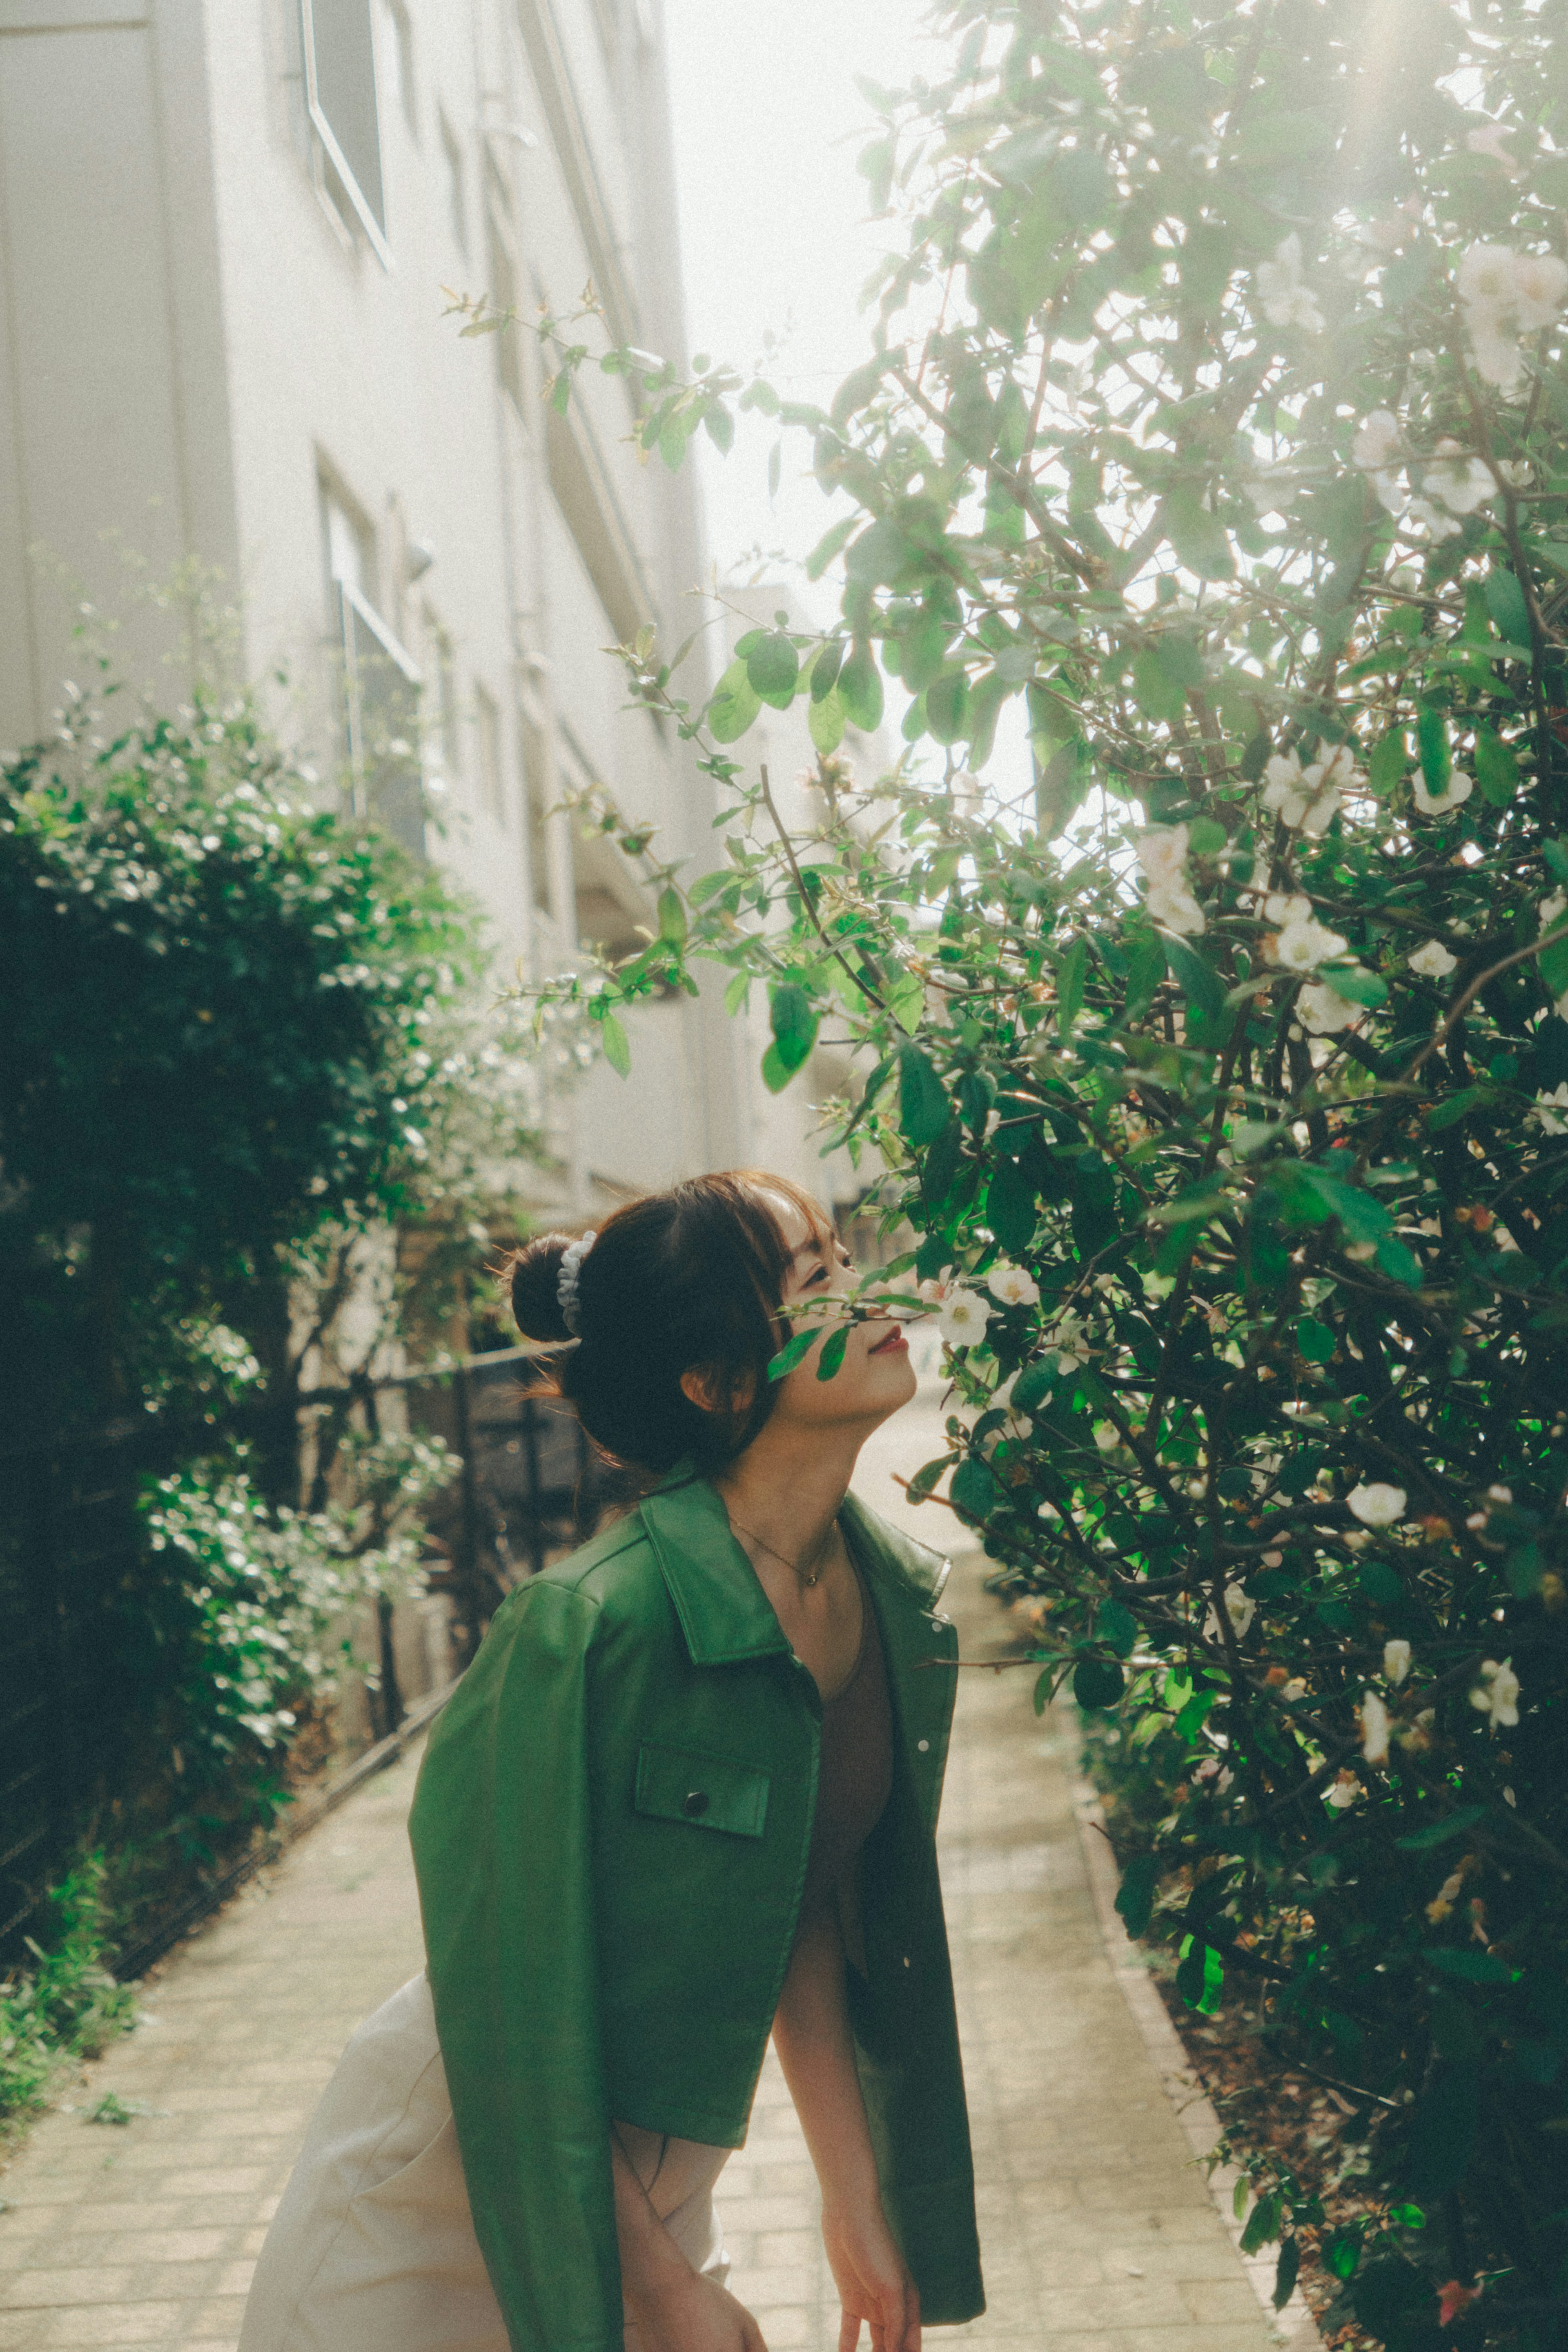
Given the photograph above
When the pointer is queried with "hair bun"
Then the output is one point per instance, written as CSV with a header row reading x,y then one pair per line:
x,y
536,1288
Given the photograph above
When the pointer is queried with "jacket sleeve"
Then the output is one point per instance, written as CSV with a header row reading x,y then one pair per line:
x,y
502,1847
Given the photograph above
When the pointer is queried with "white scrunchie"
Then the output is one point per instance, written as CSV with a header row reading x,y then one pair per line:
x,y
566,1281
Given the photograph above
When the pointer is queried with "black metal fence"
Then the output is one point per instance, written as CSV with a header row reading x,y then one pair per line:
x,y
71,1689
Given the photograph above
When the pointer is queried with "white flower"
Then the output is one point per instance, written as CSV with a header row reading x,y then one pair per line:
x,y
1321,1010
1396,1661
1301,947
1070,1342
1485,278
1433,961
1343,1790
1377,441
1552,1110
1497,1693
1173,908
1454,794
1540,289
1489,142
1287,302
1293,1690
1374,1728
1553,910
1376,449
1431,518
1377,1507
1498,358
965,1315
1282,910
1307,798
1239,1608
1162,855
1013,1286
933,1290
1517,472
1462,483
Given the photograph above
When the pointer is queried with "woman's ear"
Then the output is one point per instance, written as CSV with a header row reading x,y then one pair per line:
x,y
707,1388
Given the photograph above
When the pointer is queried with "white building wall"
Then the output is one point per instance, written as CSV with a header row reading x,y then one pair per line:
x,y
195,341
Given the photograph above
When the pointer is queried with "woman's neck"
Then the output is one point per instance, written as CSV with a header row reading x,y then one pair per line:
x,y
790,1492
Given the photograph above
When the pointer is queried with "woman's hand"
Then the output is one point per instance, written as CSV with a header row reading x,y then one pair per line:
x,y
695,2315
872,2279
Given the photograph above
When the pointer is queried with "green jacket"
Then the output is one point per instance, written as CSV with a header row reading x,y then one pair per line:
x,y
611,1832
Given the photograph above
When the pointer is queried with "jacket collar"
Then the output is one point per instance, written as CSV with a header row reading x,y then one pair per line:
x,y
722,1609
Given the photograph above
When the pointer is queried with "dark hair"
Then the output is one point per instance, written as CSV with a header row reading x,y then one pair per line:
x,y
688,1279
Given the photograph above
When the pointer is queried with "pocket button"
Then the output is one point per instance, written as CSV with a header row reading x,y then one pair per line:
x,y
695,1802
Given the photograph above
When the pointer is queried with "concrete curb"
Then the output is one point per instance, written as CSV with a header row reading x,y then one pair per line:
x,y
1293,2329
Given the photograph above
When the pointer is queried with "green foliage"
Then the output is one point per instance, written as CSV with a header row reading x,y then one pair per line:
x,y
67,2004
233,1023
1216,418
249,1594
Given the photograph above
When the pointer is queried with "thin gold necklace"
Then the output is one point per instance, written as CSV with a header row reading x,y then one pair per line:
x,y
793,1566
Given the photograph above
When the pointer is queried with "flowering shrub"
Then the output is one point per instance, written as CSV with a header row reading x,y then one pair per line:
x,y
1216,416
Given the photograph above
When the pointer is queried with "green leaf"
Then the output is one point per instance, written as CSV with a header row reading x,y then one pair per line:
x,y
1432,744
1198,535
1469,1965
1355,983
827,546
1010,1207
973,1490
923,1104
617,1046
825,721
1439,1832
1136,1895
777,1072
832,1355
734,705
860,689
1286,2270
948,707
906,1002
794,1020
1388,762
1497,768
773,665
1198,981
1399,1264
719,427
1505,602
736,994
1262,2225
1071,974
1314,1340
799,1344
1455,1107
672,917
1115,1624
825,667
1097,1683
1200,1978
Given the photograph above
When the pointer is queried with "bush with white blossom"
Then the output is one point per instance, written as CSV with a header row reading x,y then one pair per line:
x,y
1215,421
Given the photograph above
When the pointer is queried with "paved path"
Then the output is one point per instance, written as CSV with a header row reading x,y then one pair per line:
x,y
1098,2232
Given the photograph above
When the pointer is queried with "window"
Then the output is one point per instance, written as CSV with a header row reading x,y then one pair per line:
x,y
503,277
379,716
457,194
448,739
340,94
398,51
491,787
536,780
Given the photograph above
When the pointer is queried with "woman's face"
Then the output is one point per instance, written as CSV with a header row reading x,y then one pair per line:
x,y
876,1376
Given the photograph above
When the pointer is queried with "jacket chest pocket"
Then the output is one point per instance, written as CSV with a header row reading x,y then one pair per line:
x,y
708,1792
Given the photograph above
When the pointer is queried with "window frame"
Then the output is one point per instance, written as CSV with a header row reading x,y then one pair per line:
x,y
373,231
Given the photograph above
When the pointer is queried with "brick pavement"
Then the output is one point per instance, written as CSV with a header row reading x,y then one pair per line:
x,y
1099,2231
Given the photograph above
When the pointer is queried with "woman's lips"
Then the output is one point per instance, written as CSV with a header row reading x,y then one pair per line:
x,y
896,1344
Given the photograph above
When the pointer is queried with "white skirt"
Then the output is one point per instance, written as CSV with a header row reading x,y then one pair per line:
x,y
372,2247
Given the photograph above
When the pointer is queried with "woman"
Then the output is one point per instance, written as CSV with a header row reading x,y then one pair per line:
x,y
683,1797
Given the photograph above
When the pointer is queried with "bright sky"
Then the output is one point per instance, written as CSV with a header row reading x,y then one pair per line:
x,y
767,124
776,237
